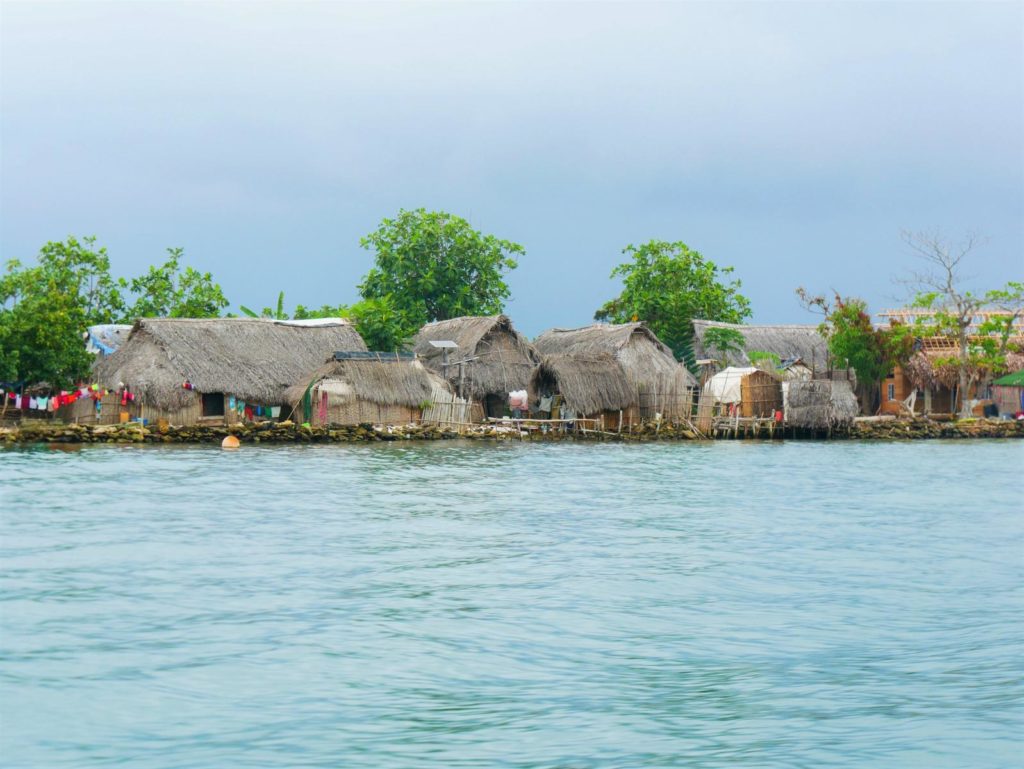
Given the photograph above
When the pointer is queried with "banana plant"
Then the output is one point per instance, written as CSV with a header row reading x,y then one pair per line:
x,y
279,314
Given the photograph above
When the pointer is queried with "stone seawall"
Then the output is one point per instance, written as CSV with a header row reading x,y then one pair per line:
x,y
926,429
287,432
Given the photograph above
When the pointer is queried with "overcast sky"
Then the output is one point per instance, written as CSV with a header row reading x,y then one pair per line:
x,y
792,141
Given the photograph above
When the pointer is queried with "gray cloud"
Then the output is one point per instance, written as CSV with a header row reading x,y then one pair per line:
x,y
793,141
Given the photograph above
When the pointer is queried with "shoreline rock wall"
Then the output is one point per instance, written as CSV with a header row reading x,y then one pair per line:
x,y
287,432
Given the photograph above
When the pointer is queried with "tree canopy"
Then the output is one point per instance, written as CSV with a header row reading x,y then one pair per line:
x,y
667,285
953,309
855,342
45,308
432,265
167,291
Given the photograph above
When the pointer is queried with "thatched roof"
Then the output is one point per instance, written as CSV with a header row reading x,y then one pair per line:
x,y
820,404
786,341
504,358
588,385
386,381
644,357
255,359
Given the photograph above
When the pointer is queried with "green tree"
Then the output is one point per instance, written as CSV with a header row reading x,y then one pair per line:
x,y
667,285
953,309
381,325
724,340
854,341
378,322
268,312
432,265
167,291
45,309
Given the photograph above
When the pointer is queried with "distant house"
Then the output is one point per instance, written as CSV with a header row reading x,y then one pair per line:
x,y
577,386
210,371
822,405
380,388
1008,393
662,385
928,383
490,359
786,341
793,370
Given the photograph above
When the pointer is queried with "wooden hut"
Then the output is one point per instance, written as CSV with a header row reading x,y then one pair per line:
x,y
491,359
746,392
382,388
793,370
928,382
760,394
575,386
1008,393
211,371
821,404
662,385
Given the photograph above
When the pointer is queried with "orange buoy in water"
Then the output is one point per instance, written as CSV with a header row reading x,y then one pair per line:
x,y
229,442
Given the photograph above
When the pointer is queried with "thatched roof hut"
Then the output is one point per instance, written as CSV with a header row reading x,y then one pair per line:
x,y
380,388
786,341
253,359
663,385
588,385
502,358
820,404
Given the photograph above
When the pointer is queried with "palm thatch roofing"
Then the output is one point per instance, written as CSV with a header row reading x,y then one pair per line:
x,y
820,404
388,380
644,357
255,359
587,384
503,358
786,341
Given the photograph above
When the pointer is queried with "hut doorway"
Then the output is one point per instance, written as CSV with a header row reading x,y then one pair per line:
x,y
213,404
494,406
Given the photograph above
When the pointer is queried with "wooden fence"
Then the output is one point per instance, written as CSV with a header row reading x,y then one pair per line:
x,y
448,409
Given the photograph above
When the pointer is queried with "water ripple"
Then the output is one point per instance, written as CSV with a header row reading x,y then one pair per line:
x,y
520,606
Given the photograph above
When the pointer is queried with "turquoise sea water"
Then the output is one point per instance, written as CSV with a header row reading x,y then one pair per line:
x,y
453,605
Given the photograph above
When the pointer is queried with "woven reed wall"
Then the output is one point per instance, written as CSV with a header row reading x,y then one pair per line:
x,y
760,395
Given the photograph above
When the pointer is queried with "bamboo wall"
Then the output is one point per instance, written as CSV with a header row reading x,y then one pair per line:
x,y
760,395
358,411
671,403
83,411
